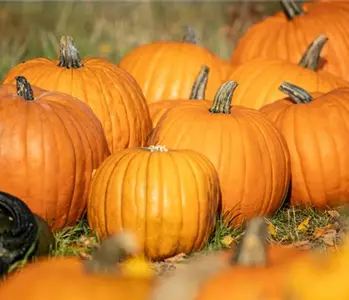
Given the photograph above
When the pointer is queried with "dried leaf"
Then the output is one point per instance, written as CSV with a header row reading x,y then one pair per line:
x,y
176,258
272,230
304,225
227,240
334,214
321,231
330,237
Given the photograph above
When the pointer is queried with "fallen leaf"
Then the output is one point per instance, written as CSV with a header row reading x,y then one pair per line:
x,y
227,240
304,225
321,231
272,230
176,258
333,213
330,237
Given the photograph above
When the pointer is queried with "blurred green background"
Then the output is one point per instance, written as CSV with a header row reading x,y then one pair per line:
x,y
110,29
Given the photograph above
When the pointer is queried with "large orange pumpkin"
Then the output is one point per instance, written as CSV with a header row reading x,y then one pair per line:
x,y
166,70
316,129
287,34
168,198
112,93
259,79
50,144
238,141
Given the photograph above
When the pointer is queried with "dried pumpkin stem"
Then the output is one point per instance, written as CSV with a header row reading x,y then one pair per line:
x,y
112,250
153,148
291,8
223,98
189,35
24,89
296,93
199,87
252,251
69,56
311,58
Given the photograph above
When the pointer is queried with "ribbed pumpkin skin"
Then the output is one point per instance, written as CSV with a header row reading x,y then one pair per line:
x,y
317,137
248,152
167,70
112,94
276,37
169,199
49,148
259,81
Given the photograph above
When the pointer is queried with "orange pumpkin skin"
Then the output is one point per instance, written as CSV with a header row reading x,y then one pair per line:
x,y
169,199
153,67
316,133
276,37
237,144
49,148
259,80
112,94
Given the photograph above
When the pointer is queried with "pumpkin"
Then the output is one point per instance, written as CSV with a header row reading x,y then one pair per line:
x,y
112,94
168,198
70,278
287,34
50,143
242,274
315,127
238,141
158,109
153,67
259,79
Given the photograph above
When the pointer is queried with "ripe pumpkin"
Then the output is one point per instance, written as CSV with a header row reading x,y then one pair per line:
x,y
50,143
168,198
153,67
259,79
112,94
315,127
238,141
287,34
69,278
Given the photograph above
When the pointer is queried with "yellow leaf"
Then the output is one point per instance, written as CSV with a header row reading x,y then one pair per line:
x,y
271,229
227,240
304,225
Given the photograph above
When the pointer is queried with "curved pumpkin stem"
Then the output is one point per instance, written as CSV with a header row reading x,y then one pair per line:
x,y
223,98
291,9
69,56
199,87
189,35
311,58
296,93
24,89
252,250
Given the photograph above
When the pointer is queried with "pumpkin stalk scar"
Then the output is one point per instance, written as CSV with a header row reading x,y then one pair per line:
x,y
153,148
291,9
311,58
69,56
199,86
189,35
223,98
24,89
296,93
252,251
112,250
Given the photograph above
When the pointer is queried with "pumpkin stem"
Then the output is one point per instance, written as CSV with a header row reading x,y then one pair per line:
x,y
24,89
199,87
291,9
68,55
311,58
252,250
222,99
296,93
189,35
153,148
113,250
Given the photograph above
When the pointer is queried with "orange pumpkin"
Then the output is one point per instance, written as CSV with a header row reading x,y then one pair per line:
x,y
50,143
168,198
238,141
259,79
69,278
316,130
167,69
287,34
112,93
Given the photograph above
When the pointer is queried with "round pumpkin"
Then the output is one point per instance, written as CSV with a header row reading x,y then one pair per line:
x,y
238,141
169,198
259,79
287,34
315,127
112,93
50,143
166,70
